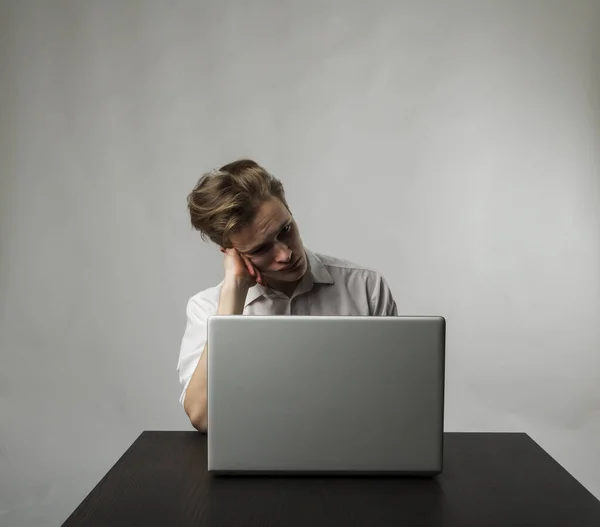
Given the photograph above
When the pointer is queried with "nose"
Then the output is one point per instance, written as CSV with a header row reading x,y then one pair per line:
x,y
283,253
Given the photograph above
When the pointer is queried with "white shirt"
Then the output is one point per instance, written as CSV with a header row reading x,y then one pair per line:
x,y
330,287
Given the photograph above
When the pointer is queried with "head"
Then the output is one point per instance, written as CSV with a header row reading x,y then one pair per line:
x,y
242,206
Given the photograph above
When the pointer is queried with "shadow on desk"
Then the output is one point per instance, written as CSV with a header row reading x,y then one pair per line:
x,y
328,500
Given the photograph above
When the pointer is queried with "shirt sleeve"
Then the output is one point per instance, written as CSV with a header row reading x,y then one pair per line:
x,y
194,338
382,300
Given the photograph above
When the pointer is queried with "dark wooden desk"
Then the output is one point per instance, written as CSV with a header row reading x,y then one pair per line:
x,y
489,480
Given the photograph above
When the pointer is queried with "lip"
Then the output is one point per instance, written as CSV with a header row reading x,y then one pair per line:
x,y
293,266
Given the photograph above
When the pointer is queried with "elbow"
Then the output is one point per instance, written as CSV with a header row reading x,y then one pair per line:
x,y
198,416
200,424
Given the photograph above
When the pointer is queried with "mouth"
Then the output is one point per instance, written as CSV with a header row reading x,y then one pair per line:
x,y
293,266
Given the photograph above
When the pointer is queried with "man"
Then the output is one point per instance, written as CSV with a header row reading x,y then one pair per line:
x,y
267,269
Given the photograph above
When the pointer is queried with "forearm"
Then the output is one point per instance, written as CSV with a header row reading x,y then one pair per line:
x,y
231,302
233,297
194,403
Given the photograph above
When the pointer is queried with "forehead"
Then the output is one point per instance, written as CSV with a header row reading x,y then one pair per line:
x,y
269,218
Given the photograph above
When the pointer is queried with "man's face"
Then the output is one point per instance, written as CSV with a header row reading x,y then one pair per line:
x,y
272,243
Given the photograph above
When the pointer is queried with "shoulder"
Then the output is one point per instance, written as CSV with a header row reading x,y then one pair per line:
x,y
351,275
344,268
362,282
204,302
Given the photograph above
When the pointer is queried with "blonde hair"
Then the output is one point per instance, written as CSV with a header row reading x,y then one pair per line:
x,y
227,199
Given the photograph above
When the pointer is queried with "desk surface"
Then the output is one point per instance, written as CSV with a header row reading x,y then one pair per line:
x,y
489,480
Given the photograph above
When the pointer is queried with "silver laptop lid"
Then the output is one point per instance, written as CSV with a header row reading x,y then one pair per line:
x,y
325,394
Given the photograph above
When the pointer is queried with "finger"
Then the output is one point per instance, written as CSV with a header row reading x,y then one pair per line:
x,y
235,254
259,277
251,269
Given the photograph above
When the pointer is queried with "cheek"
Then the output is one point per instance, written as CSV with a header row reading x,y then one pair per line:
x,y
266,265
296,241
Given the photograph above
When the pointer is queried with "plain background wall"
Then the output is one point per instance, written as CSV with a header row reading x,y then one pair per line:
x,y
454,146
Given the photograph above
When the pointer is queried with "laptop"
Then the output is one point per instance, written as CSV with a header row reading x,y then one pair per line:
x,y
326,395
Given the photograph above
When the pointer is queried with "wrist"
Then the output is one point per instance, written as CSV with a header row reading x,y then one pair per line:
x,y
238,283
233,296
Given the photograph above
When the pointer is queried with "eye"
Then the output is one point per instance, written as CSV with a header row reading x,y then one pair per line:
x,y
260,250
286,229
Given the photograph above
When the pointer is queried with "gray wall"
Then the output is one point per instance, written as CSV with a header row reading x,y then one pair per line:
x,y
454,146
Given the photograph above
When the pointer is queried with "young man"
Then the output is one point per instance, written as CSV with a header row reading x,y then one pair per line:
x,y
267,269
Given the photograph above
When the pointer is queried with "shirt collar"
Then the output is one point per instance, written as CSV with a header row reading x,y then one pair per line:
x,y
317,269
317,273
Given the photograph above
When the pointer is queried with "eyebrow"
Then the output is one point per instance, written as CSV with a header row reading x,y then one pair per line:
x,y
264,244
